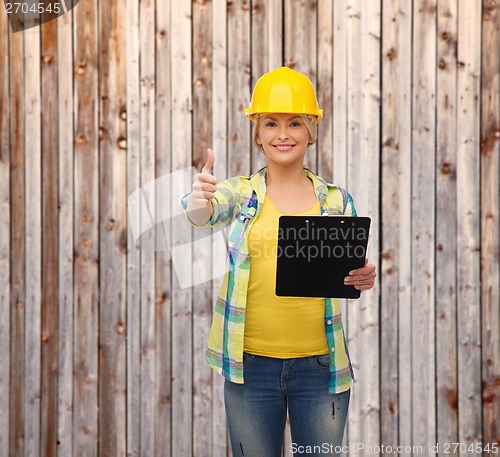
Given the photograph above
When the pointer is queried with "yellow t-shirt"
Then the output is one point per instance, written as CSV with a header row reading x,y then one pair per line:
x,y
281,327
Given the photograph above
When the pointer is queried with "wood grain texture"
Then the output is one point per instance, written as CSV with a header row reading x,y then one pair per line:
x,y
363,139
33,267
5,238
202,255
133,119
163,271
395,319
146,292
103,349
17,247
50,191
112,231
182,299
490,214
468,220
86,231
446,214
422,222
66,238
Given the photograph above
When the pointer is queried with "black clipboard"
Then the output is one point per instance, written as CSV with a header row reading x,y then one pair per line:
x,y
316,253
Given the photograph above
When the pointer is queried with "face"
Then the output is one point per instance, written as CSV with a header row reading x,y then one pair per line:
x,y
283,137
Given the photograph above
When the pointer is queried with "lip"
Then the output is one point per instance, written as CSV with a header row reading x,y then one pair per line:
x,y
283,147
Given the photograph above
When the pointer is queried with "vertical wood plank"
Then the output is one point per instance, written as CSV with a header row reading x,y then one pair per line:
x,y
395,227
325,89
267,49
468,219
50,189
239,59
363,182
490,216
86,223
202,293
220,443
339,109
66,237
33,270
446,215
132,63
182,332
163,271
300,50
423,220
5,223
18,247
112,229
147,266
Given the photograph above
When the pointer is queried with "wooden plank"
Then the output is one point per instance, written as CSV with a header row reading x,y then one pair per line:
x,y
423,220
363,147
66,238
490,214
267,48
202,293
396,203
163,259
239,59
147,265
18,248
301,48
446,214
182,332
5,241
50,190
339,109
33,270
112,229
86,220
133,114
220,442
468,220
325,89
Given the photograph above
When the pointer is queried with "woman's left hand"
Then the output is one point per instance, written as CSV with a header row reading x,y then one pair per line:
x,y
362,278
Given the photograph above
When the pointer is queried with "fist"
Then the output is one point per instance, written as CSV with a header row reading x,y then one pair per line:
x,y
204,186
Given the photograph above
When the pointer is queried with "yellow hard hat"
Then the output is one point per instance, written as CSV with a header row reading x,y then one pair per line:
x,y
284,91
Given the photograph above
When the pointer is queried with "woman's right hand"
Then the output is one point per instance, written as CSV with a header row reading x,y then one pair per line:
x,y
199,205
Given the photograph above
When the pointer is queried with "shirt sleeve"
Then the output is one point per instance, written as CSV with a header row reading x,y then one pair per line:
x,y
349,209
223,202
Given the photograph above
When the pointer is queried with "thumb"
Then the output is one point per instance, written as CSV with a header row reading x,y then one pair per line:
x,y
210,162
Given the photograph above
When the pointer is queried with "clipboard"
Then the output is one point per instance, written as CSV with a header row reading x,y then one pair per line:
x,y
315,254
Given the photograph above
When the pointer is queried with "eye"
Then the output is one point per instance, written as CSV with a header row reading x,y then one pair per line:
x,y
296,124
270,124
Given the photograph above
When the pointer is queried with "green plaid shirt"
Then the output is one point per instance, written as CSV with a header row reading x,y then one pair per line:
x,y
238,202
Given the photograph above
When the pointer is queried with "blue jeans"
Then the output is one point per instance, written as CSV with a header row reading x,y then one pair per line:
x,y
256,410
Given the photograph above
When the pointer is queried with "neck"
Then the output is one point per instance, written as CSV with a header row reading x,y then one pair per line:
x,y
288,176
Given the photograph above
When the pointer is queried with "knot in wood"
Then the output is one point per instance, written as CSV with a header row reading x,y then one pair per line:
x,y
391,54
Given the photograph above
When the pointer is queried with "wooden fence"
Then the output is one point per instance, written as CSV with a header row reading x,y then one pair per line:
x,y
102,349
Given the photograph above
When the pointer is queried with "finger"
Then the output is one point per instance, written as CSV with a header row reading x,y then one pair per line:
x,y
368,269
207,168
206,178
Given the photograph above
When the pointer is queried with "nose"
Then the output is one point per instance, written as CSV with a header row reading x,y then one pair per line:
x,y
283,135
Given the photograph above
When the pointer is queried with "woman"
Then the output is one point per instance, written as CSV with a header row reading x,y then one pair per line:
x,y
277,354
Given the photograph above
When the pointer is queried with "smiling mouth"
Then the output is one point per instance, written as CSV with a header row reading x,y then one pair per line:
x,y
283,147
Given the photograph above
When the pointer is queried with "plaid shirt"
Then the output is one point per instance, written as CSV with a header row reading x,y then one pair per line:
x,y
238,202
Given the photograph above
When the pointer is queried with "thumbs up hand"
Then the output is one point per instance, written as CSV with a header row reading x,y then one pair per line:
x,y
204,186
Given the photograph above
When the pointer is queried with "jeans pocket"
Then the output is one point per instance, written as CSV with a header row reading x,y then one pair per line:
x,y
323,361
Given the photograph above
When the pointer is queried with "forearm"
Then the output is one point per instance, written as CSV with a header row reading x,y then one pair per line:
x,y
199,215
